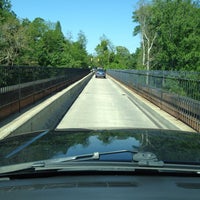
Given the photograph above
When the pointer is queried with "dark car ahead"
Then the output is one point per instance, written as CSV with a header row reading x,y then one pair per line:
x,y
100,73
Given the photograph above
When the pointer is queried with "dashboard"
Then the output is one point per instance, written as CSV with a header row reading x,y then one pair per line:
x,y
101,187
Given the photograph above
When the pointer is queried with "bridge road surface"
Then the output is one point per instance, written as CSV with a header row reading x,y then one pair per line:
x,y
103,104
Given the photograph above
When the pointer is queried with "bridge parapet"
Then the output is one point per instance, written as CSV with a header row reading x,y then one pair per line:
x,y
47,114
23,86
177,93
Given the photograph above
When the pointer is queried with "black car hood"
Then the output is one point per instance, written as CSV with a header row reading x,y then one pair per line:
x,y
170,146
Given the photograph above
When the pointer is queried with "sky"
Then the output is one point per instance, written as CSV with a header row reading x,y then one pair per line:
x,y
95,18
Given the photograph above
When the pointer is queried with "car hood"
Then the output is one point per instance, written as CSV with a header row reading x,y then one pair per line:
x,y
169,146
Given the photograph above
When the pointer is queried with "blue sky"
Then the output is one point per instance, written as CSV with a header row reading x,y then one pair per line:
x,y
112,18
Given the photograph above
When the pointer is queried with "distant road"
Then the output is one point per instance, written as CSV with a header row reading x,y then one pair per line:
x,y
103,104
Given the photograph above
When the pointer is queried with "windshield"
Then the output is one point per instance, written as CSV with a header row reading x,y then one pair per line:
x,y
168,146
54,103
100,70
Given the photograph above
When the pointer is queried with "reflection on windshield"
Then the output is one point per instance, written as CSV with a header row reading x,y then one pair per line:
x,y
95,144
167,145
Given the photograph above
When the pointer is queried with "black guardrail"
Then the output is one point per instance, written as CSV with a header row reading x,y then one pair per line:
x,y
178,93
22,86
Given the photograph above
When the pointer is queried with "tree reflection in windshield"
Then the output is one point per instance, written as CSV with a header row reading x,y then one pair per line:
x,y
167,145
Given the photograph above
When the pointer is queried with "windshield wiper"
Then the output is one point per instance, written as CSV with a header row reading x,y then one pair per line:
x,y
92,156
57,163
140,161
141,158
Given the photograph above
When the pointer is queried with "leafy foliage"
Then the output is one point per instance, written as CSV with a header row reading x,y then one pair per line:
x,y
41,43
112,57
177,27
37,43
170,31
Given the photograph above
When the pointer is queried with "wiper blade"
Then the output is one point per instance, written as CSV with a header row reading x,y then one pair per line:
x,y
146,161
55,164
92,156
16,169
139,160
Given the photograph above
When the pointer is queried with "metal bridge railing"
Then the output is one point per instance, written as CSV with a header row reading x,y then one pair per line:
x,y
22,86
178,93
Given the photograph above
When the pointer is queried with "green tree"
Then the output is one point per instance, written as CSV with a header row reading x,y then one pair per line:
x,y
178,45
11,34
12,41
137,59
122,59
148,32
79,52
39,42
104,50
5,10
172,28
36,31
52,47
75,54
